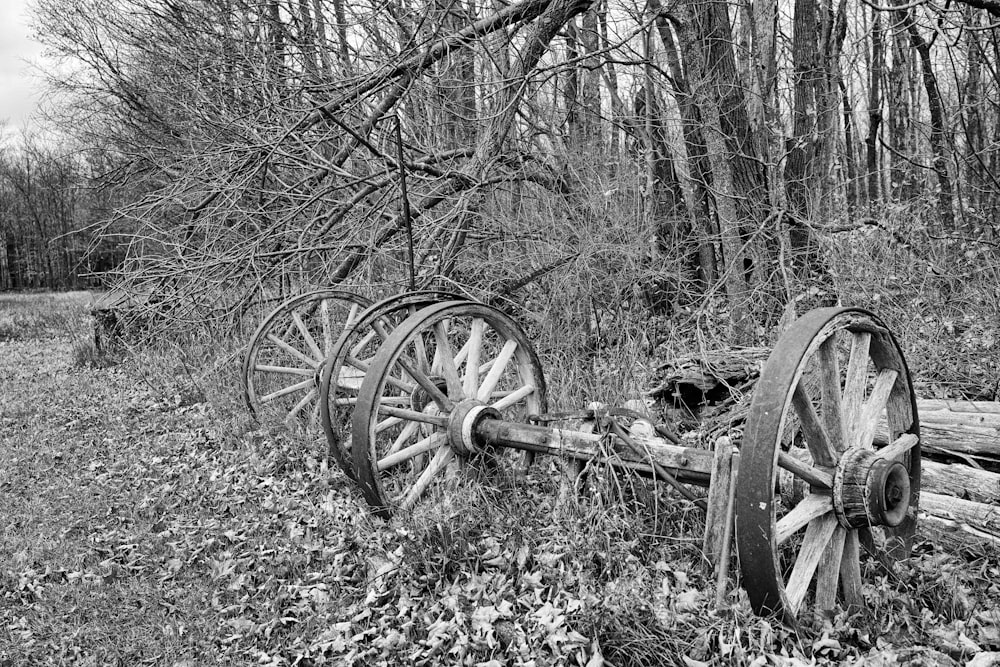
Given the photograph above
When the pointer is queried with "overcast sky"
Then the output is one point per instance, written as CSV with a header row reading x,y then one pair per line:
x,y
18,88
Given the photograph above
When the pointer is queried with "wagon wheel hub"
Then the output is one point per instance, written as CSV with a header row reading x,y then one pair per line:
x,y
420,398
462,426
869,490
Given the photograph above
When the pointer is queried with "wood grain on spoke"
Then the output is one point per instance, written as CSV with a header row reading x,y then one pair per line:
x,y
413,415
829,570
352,314
899,447
436,465
830,392
475,346
310,395
817,438
498,365
427,385
803,470
307,337
312,363
850,570
447,360
817,537
812,506
324,321
387,423
433,441
513,397
404,435
284,370
287,390
875,406
854,384
367,338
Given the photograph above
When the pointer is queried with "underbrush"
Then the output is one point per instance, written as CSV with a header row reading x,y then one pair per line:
x,y
939,293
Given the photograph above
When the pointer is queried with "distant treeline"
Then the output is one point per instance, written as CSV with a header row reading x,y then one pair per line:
x,y
46,208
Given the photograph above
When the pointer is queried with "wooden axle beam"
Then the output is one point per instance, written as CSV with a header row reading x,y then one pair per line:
x,y
689,465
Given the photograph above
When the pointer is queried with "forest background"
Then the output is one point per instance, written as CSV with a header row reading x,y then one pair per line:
x,y
628,170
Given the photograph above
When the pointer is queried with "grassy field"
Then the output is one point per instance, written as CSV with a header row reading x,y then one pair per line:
x,y
147,521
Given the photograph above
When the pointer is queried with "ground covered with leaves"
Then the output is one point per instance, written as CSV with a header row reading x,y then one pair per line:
x,y
147,520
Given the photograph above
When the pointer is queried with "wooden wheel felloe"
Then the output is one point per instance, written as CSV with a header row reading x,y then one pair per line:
x,y
444,369
814,491
352,353
286,354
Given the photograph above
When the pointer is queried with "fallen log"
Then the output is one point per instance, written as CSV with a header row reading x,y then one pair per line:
x,y
961,481
955,522
982,516
962,430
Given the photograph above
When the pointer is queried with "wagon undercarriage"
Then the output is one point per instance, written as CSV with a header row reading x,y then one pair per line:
x,y
410,389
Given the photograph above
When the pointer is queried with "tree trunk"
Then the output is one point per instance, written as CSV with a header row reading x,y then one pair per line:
x,y
938,137
748,237
900,109
875,110
972,116
697,193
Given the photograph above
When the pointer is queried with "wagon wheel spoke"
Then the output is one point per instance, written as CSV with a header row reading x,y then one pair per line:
x,y
817,537
284,370
306,400
497,366
413,415
363,343
446,359
437,464
812,507
854,383
295,354
429,443
875,406
404,436
831,398
284,391
899,447
326,326
828,575
307,337
817,438
805,472
427,384
514,397
850,570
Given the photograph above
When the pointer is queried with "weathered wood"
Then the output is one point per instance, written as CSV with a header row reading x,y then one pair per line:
x,y
962,481
687,464
956,535
718,498
964,429
981,516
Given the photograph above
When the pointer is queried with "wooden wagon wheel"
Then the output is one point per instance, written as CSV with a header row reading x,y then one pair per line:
x,y
285,356
813,491
354,351
443,368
